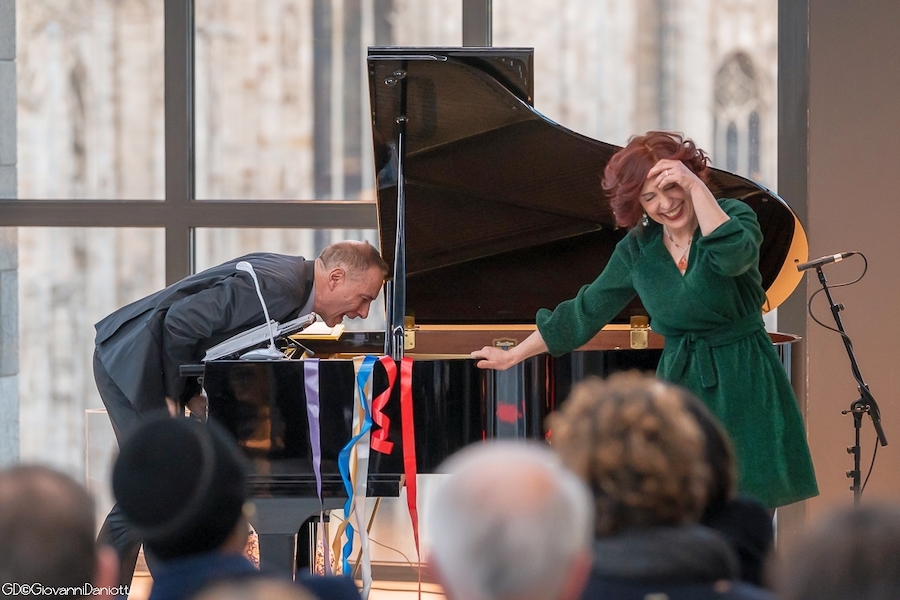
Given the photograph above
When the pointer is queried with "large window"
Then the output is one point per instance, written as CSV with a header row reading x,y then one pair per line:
x,y
739,109
613,69
90,100
158,137
70,278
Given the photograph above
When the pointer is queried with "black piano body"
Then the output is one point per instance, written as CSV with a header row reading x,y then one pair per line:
x,y
263,404
504,215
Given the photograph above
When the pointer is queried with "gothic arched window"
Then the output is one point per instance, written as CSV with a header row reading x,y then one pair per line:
x,y
731,148
753,145
738,108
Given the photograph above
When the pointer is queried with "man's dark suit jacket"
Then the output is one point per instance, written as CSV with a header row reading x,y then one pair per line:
x,y
143,344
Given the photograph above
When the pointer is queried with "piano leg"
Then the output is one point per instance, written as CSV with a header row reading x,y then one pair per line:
x,y
277,521
277,552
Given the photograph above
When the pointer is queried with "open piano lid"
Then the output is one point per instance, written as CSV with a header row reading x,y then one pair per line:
x,y
505,213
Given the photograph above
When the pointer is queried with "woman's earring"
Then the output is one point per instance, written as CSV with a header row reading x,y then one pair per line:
x,y
644,220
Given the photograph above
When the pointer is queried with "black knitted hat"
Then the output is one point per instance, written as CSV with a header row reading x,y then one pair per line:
x,y
182,484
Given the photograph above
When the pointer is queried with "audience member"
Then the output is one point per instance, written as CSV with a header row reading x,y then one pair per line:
x,y
509,523
633,439
850,554
254,588
47,537
745,522
187,506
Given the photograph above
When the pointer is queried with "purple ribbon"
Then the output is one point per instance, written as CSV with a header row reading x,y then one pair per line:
x,y
311,383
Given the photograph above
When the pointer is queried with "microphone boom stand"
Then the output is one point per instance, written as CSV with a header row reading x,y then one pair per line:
x,y
864,404
272,352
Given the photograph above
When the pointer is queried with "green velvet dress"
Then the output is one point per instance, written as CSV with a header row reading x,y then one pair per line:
x,y
716,343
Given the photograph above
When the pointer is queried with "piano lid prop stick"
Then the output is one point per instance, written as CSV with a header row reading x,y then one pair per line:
x,y
398,311
388,319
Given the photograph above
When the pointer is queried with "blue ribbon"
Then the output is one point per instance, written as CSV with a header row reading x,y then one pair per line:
x,y
362,377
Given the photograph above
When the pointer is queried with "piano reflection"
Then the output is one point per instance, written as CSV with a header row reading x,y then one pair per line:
x,y
502,214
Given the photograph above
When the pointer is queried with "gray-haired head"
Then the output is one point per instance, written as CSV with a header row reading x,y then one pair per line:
x,y
510,522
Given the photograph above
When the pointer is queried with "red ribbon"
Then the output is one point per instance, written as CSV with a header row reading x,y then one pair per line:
x,y
409,444
380,442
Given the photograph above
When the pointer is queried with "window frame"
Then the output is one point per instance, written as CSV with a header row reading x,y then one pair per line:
x,y
180,213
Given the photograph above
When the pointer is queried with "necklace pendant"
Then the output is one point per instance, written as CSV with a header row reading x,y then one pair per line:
x,y
682,264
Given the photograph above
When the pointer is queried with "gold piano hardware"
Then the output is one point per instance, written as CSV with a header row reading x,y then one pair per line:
x,y
409,333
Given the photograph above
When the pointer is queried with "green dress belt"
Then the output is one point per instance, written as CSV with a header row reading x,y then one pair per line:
x,y
699,343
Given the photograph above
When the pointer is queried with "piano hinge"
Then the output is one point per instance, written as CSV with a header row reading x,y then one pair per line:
x,y
409,333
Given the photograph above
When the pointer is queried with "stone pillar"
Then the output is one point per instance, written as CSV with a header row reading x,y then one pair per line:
x,y
9,296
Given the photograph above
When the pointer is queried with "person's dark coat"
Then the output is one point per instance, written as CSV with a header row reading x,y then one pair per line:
x,y
747,526
143,345
678,563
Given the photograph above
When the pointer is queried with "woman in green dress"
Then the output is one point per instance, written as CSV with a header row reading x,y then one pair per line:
x,y
694,262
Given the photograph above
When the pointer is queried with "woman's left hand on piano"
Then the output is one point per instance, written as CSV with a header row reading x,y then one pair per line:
x,y
492,357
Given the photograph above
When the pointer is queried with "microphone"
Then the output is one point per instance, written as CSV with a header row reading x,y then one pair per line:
x,y
824,261
270,353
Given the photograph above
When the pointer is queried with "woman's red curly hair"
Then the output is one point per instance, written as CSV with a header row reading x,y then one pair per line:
x,y
626,172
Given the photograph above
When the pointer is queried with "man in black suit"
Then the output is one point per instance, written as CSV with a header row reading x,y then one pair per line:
x,y
140,347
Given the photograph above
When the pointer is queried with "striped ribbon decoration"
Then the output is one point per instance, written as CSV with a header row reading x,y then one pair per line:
x,y
353,462
311,384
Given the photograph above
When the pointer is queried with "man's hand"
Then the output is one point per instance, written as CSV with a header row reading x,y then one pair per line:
x,y
199,407
172,407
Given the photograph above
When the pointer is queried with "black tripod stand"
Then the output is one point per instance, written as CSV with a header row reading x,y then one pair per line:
x,y
864,404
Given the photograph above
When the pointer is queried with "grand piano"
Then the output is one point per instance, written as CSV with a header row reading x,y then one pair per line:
x,y
501,214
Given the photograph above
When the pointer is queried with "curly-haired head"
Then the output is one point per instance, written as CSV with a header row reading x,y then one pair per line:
x,y
632,438
626,172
